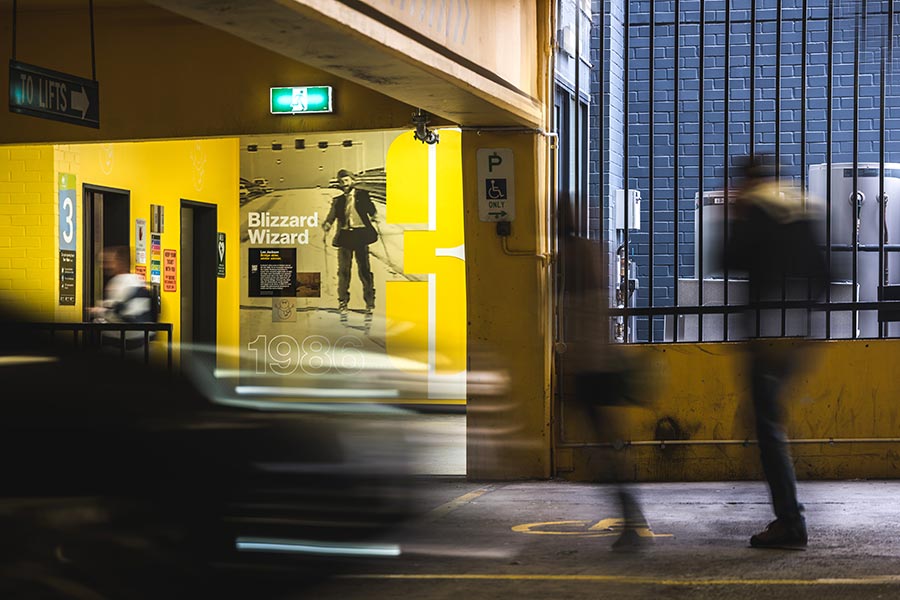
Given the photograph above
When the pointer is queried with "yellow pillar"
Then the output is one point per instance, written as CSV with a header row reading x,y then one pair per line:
x,y
508,434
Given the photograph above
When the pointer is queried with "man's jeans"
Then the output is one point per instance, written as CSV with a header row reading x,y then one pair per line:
x,y
769,373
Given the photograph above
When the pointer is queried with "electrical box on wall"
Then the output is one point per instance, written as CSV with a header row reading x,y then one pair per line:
x,y
566,40
633,198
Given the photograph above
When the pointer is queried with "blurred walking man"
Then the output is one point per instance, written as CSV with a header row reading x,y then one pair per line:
x,y
774,239
603,380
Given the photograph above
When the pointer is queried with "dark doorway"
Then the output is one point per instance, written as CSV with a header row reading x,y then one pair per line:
x,y
198,273
107,223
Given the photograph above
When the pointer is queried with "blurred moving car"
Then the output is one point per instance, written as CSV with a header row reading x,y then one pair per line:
x,y
126,481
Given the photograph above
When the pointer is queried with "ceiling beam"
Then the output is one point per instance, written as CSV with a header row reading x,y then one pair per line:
x,y
373,52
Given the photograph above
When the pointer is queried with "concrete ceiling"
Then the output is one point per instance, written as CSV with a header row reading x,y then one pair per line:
x,y
302,33
296,31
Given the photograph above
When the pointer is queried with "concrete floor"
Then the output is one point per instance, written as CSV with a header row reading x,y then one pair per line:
x,y
552,539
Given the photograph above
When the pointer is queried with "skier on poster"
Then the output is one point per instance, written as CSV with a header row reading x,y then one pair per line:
x,y
355,214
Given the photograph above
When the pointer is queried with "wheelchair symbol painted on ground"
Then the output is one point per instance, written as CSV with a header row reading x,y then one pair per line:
x,y
602,528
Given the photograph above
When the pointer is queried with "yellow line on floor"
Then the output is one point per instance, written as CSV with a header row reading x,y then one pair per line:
x,y
624,579
448,507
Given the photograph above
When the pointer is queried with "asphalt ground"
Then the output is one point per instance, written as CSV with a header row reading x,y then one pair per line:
x,y
553,539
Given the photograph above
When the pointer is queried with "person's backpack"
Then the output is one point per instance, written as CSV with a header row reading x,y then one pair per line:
x,y
141,306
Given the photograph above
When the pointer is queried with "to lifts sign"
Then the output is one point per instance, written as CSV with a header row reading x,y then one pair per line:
x,y
53,95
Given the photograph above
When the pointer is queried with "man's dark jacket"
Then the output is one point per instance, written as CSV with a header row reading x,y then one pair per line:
x,y
366,210
774,239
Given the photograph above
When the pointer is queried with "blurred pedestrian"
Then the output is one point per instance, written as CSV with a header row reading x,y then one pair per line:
x,y
355,214
774,239
126,298
605,381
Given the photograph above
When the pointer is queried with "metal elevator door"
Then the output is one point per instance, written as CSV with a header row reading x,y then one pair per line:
x,y
198,273
107,217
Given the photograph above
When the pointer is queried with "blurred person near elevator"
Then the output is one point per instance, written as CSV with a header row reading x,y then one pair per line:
x,y
127,298
773,238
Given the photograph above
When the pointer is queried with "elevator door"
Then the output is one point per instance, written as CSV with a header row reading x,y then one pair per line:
x,y
107,217
198,273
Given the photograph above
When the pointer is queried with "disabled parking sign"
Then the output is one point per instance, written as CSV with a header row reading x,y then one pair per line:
x,y
496,184
496,189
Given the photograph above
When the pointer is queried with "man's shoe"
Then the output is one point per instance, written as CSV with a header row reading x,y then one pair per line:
x,y
369,309
782,534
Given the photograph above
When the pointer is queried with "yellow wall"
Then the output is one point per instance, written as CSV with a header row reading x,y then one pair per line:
x,y
165,173
28,247
848,391
436,250
155,173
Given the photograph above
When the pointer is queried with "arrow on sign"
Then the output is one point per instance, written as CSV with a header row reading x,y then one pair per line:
x,y
502,213
80,101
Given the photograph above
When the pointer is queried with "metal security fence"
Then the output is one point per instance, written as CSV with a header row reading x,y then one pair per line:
x,y
687,86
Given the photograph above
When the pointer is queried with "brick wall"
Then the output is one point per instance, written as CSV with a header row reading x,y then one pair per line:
x,y
774,125
27,222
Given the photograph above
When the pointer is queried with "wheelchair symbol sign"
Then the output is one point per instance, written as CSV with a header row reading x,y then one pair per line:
x,y
495,189
496,184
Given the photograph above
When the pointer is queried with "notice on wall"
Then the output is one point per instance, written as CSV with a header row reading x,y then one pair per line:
x,y
220,254
140,241
155,257
67,277
141,270
273,272
170,271
157,218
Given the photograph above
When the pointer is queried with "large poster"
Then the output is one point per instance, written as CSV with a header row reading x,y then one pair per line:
x,y
352,262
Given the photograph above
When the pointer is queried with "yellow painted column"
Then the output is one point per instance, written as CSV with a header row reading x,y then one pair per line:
x,y
508,434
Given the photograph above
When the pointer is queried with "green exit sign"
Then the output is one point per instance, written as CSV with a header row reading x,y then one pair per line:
x,y
300,100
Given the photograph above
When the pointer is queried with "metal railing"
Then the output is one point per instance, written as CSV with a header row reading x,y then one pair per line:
x,y
89,335
811,82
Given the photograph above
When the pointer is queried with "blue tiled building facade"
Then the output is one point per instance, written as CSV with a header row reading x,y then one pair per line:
x,y
661,126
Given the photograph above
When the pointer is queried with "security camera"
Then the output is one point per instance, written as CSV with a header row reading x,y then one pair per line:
x,y
422,132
